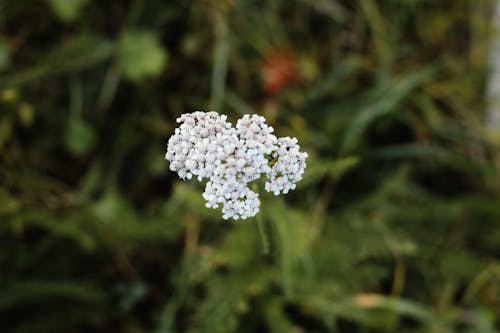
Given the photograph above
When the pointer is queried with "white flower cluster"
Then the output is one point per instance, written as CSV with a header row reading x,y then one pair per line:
x,y
289,166
205,145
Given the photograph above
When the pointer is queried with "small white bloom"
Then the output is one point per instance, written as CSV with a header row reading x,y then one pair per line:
x,y
207,146
289,166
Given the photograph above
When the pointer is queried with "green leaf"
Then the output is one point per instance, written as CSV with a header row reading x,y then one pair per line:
x,y
372,310
141,55
4,55
291,240
67,10
37,291
80,137
113,207
381,102
67,227
73,55
318,168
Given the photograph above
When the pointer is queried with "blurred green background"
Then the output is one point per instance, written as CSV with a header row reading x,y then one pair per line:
x,y
395,227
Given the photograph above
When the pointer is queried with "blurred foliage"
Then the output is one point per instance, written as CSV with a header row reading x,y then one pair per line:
x,y
395,228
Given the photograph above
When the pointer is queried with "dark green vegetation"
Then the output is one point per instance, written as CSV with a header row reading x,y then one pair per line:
x,y
395,228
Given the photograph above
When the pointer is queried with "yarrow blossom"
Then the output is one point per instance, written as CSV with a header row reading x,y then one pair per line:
x,y
206,146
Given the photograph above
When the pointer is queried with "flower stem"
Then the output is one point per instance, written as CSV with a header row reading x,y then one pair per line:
x,y
262,235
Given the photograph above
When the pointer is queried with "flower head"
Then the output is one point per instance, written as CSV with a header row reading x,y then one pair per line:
x,y
205,145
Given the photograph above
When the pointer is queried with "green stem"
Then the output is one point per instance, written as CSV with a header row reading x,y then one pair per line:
x,y
262,235
221,56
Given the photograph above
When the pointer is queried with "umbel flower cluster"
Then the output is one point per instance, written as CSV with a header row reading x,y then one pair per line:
x,y
207,146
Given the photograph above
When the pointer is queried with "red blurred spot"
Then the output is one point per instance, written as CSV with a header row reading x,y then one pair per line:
x,y
279,71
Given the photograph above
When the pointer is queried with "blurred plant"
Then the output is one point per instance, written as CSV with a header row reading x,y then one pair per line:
x,y
4,55
279,71
394,227
141,55
68,10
